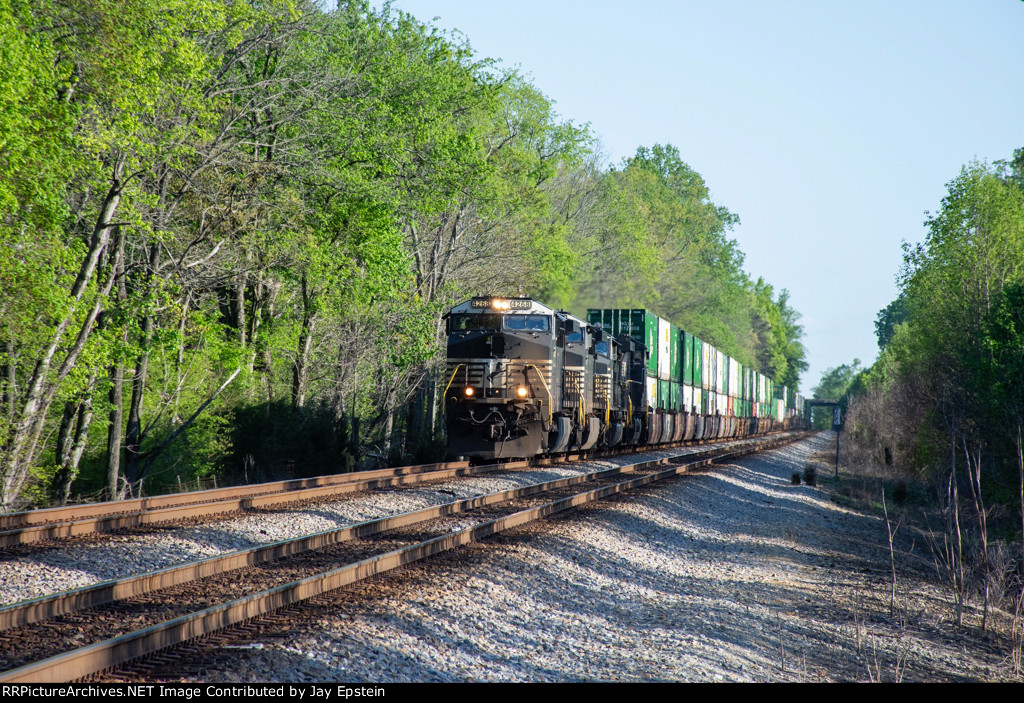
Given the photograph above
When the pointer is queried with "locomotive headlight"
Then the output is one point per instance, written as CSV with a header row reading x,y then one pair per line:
x,y
499,304
521,391
469,392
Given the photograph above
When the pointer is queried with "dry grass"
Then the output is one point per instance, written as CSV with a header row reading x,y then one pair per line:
x,y
923,598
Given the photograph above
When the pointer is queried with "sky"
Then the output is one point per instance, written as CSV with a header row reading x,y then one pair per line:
x,y
829,128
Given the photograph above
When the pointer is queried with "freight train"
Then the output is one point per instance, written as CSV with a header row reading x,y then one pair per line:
x,y
524,379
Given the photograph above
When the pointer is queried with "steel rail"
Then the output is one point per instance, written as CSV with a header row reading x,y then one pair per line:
x,y
118,650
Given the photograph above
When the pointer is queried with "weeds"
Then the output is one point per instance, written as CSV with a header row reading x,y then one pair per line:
x,y
810,475
891,533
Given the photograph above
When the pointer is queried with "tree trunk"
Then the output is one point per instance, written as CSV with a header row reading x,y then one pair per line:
x,y
389,426
113,491
134,434
301,365
65,436
18,450
69,468
116,399
179,366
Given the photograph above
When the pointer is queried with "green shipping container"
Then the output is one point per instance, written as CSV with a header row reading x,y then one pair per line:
x,y
676,391
687,358
646,324
641,325
698,363
675,354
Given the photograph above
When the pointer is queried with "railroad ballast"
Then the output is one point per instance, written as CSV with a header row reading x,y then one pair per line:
x,y
525,379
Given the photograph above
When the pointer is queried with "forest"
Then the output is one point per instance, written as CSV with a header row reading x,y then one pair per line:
x,y
228,232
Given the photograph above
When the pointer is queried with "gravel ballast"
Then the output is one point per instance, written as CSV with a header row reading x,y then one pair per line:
x,y
731,575
65,565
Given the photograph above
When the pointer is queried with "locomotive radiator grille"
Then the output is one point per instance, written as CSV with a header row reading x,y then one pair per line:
x,y
572,387
466,373
514,374
574,393
602,391
508,375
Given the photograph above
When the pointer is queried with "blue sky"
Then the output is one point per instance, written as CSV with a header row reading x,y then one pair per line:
x,y
829,128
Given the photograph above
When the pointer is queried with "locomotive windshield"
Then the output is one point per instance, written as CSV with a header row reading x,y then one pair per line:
x,y
485,322
529,323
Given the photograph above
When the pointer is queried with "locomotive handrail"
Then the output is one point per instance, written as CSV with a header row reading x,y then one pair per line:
x,y
551,416
629,414
600,391
452,379
581,390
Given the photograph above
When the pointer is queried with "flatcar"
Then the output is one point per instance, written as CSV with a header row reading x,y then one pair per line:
x,y
524,379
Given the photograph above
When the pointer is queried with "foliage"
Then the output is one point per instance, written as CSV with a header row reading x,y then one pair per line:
x,y
658,241
944,399
894,314
835,382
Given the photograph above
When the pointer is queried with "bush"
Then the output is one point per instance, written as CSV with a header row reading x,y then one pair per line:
x,y
273,441
810,475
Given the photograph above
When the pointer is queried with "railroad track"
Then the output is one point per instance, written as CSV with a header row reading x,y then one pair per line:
x,y
70,521
112,623
36,526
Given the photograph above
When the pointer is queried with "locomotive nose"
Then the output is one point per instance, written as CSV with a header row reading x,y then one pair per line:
x,y
497,343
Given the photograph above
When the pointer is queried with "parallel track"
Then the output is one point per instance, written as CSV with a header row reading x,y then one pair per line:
x,y
35,526
118,515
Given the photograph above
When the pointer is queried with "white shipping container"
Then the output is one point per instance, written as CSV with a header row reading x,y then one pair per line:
x,y
707,367
664,350
652,392
734,378
687,398
720,361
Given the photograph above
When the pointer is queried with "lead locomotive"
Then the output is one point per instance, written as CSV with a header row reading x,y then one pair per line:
x,y
524,379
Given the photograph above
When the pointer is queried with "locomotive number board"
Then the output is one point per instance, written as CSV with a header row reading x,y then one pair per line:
x,y
498,304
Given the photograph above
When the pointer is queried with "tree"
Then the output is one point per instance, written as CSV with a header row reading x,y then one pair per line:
x,y
835,382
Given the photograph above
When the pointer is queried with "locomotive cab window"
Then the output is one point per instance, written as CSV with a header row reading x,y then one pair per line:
x,y
473,323
528,323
